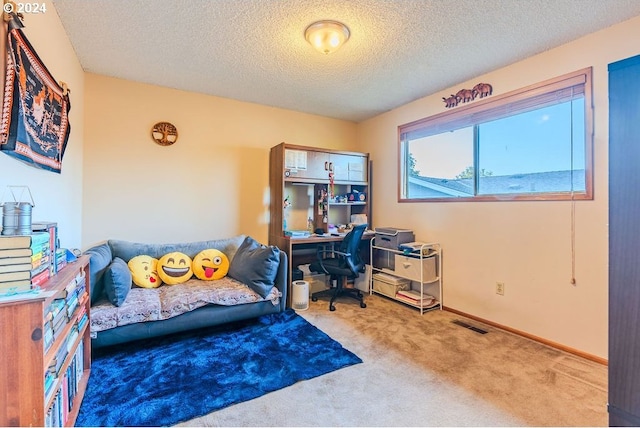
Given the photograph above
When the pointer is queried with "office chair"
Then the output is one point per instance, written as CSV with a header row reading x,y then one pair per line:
x,y
342,264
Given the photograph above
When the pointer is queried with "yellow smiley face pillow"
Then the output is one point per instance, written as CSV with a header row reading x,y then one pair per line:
x,y
210,264
175,268
144,271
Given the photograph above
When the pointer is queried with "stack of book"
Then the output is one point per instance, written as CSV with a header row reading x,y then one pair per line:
x,y
23,259
65,387
40,258
61,259
69,307
52,229
55,321
76,291
68,312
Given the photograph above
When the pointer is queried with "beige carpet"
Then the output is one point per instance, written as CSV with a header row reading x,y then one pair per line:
x,y
426,371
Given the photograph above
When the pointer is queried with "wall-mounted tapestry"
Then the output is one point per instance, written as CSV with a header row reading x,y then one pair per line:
x,y
35,125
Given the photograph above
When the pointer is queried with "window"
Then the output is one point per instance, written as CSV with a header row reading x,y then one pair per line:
x,y
534,143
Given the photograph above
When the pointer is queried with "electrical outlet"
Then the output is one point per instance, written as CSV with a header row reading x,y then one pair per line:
x,y
500,288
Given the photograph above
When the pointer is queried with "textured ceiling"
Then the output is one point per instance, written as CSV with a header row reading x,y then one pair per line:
x,y
255,50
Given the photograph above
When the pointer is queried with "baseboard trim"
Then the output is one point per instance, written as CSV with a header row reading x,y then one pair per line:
x,y
556,345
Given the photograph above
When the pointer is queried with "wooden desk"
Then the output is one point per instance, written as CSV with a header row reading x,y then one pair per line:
x,y
303,250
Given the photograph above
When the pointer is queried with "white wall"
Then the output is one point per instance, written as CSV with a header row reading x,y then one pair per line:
x,y
212,183
526,245
58,197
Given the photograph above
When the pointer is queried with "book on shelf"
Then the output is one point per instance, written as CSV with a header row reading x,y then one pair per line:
x,y
15,276
58,319
15,241
42,266
40,278
61,258
15,252
32,240
8,261
13,287
15,268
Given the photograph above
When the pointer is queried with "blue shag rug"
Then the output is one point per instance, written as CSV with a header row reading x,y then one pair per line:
x,y
172,379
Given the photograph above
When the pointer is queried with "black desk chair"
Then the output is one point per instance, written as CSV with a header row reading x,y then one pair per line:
x,y
342,264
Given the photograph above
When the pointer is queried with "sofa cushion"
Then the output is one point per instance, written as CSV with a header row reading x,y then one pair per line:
x,y
175,268
144,271
210,264
117,281
256,265
100,259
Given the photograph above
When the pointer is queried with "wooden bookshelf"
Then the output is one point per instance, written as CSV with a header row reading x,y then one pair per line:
x,y
26,359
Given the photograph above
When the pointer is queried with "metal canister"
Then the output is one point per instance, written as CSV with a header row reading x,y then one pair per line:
x,y
16,218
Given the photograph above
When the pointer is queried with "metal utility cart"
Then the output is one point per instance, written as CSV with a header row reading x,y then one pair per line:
x,y
415,276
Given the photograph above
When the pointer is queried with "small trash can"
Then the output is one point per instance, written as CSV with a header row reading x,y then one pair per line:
x,y
300,295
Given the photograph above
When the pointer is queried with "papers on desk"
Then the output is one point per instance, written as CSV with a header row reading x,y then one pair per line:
x,y
297,233
317,235
305,234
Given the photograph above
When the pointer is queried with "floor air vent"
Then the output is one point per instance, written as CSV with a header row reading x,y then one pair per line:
x,y
470,327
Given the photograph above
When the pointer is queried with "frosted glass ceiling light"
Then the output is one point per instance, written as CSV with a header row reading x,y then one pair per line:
x,y
327,36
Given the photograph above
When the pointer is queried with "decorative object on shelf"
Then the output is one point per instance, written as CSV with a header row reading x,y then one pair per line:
x,y
16,213
482,90
466,95
164,133
35,124
327,36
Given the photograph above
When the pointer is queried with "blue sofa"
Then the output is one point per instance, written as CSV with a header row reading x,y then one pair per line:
x,y
247,268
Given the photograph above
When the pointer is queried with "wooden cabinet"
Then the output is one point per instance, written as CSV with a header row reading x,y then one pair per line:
x,y
302,163
624,235
42,378
302,188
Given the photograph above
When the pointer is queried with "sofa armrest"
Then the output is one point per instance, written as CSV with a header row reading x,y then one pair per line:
x,y
282,280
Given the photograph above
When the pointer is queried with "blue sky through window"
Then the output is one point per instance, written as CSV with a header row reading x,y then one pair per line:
x,y
536,141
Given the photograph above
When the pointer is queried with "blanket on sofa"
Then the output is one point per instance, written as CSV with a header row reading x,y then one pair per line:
x,y
154,304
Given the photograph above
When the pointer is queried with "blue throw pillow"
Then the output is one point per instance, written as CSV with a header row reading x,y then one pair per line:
x,y
100,259
117,281
255,265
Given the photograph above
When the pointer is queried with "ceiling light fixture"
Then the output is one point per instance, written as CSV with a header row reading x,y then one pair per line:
x,y
327,36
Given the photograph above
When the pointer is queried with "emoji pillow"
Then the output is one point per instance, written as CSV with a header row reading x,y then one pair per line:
x,y
175,268
144,271
210,264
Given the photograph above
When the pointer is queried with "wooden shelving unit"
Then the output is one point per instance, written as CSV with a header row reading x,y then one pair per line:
x,y
26,359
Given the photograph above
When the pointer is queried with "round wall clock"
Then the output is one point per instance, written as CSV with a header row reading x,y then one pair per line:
x,y
164,133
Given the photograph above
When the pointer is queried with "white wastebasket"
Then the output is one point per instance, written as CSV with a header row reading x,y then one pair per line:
x,y
300,296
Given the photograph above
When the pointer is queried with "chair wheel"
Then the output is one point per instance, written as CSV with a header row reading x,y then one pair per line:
x,y
332,308
314,299
363,305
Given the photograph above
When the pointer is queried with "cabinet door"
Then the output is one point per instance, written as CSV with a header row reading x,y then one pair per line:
x,y
624,235
348,167
306,164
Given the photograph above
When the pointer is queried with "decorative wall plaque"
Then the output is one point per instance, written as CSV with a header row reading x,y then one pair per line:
x,y
164,133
